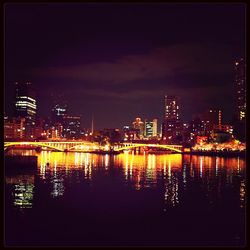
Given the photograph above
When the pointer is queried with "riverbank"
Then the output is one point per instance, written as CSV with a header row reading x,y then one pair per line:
x,y
218,153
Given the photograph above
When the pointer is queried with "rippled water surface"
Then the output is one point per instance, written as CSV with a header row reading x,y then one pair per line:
x,y
82,199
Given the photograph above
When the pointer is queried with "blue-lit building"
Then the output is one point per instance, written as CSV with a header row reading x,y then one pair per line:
x,y
26,107
25,102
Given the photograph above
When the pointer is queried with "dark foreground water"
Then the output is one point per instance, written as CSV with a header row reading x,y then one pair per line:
x,y
83,199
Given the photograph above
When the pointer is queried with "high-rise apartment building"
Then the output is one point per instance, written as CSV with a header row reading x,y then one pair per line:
x,y
239,126
240,89
171,127
171,108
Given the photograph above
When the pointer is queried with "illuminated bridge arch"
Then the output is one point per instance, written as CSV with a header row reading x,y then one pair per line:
x,y
56,145
37,144
176,148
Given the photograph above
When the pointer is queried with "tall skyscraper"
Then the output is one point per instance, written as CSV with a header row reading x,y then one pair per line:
x,y
25,102
25,107
171,108
239,126
240,89
171,127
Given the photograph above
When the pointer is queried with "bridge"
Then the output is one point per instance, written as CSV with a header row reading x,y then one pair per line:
x,y
86,146
127,146
56,145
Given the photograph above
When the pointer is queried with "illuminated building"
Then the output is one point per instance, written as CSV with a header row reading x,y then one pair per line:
x,y
171,108
71,126
240,100
172,127
201,139
130,134
58,112
240,89
55,131
151,128
225,128
139,124
212,118
25,103
25,106
14,128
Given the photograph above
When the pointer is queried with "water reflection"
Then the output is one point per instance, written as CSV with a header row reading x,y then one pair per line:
x,y
242,194
176,173
22,190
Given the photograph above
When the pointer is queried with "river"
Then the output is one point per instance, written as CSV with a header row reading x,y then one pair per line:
x,y
83,199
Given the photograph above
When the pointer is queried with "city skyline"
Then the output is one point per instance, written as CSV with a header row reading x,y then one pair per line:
x,y
120,70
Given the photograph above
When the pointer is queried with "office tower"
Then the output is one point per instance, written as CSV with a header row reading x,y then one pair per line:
x,y
25,106
71,127
151,128
171,127
139,124
25,102
240,89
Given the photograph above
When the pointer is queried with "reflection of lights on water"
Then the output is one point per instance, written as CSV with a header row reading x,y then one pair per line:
x,y
242,194
106,161
58,187
171,192
23,195
131,165
76,158
238,164
201,166
126,165
81,159
184,175
169,169
165,167
55,165
216,165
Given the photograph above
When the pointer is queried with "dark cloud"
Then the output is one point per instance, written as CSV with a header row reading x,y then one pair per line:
x,y
172,61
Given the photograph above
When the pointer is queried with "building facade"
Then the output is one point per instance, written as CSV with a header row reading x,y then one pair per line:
x,y
26,107
139,124
172,127
240,89
150,128
71,127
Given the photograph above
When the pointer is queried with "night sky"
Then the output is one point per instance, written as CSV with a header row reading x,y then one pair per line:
x,y
117,61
